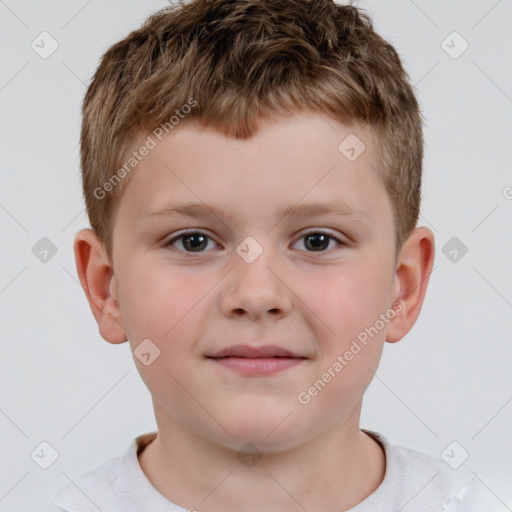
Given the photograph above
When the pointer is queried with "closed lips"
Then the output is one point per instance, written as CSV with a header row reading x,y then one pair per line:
x,y
266,351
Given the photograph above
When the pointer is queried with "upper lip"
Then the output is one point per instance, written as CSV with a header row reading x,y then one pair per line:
x,y
253,352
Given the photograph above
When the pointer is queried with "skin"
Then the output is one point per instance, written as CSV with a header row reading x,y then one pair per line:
x,y
315,303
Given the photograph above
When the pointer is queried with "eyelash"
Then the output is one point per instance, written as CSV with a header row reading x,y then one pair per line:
x,y
184,234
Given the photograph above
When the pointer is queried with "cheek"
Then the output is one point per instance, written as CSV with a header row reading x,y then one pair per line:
x,y
348,304
163,308
165,311
347,301
161,304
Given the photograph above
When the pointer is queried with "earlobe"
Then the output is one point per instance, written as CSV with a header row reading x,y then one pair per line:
x,y
414,267
98,282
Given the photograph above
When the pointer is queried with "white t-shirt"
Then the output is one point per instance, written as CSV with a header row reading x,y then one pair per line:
x,y
413,482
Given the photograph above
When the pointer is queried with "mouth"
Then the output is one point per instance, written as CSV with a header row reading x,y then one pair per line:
x,y
256,360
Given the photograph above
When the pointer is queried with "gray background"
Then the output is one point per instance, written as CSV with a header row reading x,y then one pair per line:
x,y
448,380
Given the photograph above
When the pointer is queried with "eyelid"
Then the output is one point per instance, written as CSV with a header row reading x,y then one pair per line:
x,y
308,231
190,231
341,242
324,231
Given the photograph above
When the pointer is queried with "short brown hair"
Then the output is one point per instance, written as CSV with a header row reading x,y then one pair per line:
x,y
239,61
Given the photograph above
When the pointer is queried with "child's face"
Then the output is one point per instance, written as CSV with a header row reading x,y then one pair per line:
x,y
197,296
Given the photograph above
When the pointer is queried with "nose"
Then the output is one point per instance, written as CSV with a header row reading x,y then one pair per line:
x,y
255,289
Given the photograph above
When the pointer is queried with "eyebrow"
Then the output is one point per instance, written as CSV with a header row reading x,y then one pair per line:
x,y
201,210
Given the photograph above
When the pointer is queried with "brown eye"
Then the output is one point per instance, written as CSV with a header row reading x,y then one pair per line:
x,y
193,241
318,241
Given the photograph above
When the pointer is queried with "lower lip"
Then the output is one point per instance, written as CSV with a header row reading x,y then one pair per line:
x,y
258,365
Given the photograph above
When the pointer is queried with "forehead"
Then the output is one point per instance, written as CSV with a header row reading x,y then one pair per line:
x,y
303,159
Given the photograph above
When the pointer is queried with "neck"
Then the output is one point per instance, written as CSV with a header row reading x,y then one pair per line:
x,y
336,470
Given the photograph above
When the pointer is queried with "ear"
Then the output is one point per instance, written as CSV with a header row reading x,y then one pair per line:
x,y
414,266
96,276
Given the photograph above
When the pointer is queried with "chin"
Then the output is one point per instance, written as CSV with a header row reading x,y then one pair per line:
x,y
268,432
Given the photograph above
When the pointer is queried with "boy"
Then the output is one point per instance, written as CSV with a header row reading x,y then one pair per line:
x,y
252,175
